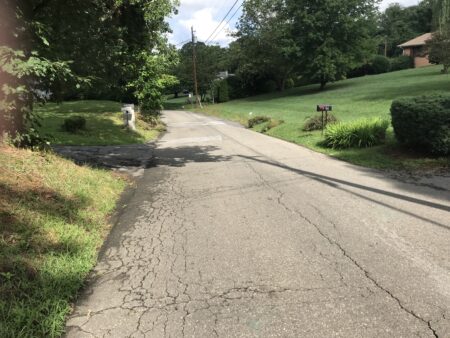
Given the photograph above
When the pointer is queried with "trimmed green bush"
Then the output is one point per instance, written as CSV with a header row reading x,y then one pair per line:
x,y
360,134
257,120
379,64
401,62
315,122
74,123
423,122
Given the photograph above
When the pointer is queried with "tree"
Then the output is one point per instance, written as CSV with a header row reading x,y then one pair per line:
x,y
266,49
399,24
439,49
439,45
210,61
60,47
332,36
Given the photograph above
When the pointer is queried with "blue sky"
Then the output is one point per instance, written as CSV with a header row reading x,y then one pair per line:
x,y
206,15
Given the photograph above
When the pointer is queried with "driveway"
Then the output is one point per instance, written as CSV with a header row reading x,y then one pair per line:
x,y
236,234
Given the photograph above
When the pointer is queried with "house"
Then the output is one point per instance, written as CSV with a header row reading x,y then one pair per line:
x,y
417,49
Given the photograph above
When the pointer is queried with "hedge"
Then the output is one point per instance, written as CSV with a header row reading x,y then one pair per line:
x,y
423,122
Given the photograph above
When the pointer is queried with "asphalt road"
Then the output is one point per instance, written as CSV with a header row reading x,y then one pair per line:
x,y
236,234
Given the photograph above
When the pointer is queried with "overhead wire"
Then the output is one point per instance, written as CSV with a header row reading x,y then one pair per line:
x,y
228,21
224,18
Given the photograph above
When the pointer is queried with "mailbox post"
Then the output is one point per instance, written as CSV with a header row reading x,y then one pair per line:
x,y
324,109
129,116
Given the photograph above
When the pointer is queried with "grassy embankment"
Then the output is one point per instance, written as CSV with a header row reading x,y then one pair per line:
x,y
364,97
52,223
53,217
104,124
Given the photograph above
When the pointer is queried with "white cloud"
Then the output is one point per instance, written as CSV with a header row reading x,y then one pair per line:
x,y
204,24
385,3
204,17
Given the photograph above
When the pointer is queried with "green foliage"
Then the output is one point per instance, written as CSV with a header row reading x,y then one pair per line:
x,y
399,24
423,122
257,120
315,122
108,47
273,123
73,124
268,86
325,57
439,48
210,61
26,79
401,62
265,48
360,134
221,91
152,80
379,64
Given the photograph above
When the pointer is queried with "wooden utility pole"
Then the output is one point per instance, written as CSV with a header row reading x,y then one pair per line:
x,y
194,63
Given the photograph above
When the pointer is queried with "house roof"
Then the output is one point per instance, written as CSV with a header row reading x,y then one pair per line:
x,y
419,41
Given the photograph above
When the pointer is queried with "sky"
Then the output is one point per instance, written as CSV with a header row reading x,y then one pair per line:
x,y
206,15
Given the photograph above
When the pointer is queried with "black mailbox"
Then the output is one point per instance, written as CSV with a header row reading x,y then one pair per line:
x,y
324,107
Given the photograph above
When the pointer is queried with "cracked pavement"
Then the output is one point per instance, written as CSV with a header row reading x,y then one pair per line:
x,y
235,234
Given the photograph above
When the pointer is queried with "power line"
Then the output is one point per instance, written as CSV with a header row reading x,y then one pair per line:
x,y
182,43
231,18
222,21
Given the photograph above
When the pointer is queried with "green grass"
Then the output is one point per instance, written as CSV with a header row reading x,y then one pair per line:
x,y
52,223
352,99
104,124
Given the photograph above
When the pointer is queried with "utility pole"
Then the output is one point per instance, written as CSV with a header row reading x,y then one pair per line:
x,y
194,62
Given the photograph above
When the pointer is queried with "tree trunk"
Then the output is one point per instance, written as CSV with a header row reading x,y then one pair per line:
x,y
322,84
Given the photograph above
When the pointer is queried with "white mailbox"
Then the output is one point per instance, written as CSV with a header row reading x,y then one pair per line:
x,y
129,116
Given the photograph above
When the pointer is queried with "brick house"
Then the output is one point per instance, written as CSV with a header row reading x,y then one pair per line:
x,y
417,49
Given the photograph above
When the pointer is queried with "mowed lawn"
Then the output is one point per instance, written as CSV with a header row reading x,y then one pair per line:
x,y
365,97
104,124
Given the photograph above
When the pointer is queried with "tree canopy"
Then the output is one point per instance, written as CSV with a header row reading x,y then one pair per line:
x,y
85,49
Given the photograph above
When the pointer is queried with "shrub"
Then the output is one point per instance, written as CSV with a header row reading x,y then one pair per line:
x,y
379,64
271,124
268,86
222,91
360,133
74,123
423,122
289,84
401,62
257,120
315,122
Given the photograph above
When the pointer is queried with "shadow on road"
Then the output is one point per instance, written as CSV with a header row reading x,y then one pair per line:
x,y
335,183
180,156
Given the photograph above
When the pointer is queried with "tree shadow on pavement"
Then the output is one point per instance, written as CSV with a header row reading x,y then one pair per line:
x,y
338,184
180,156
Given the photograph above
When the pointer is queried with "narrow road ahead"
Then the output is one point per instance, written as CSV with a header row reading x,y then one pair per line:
x,y
236,234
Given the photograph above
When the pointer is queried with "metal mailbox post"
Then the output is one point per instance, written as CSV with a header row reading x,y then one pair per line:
x,y
324,109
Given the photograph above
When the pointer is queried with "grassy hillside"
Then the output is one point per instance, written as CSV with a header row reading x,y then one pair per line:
x,y
52,222
369,96
104,124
